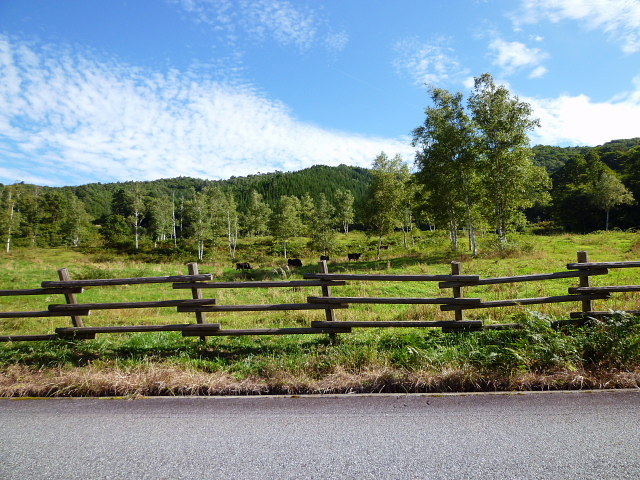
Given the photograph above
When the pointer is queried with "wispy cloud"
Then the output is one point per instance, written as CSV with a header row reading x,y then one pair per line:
x,y
427,63
618,18
281,21
514,56
77,119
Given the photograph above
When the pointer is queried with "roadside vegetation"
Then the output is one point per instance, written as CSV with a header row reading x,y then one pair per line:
x,y
601,354
479,195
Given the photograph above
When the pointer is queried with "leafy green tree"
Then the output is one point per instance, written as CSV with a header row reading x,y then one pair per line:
x,y
161,218
198,218
571,200
63,217
217,209
232,224
115,229
609,191
52,206
129,201
321,229
10,217
286,221
447,163
631,178
585,182
136,196
75,223
256,220
344,202
307,211
510,180
29,204
386,195
408,206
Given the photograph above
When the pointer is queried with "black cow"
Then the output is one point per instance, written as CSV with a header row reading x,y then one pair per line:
x,y
294,262
353,256
324,257
243,266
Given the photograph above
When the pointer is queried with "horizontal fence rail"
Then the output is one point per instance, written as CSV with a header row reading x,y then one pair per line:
x,y
127,281
194,283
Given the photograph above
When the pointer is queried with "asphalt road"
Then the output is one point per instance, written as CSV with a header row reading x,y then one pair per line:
x,y
565,435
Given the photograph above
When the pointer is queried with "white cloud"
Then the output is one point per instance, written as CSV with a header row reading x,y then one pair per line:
x,y
578,120
618,18
514,56
538,72
426,63
336,42
285,22
280,20
68,119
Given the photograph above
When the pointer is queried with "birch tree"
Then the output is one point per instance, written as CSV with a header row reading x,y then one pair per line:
x,y
130,202
256,220
446,162
232,224
75,223
386,195
321,226
608,191
161,219
286,221
510,181
10,219
344,208
197,211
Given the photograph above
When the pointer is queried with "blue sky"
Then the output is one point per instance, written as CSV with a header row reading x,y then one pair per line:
x,y
119,90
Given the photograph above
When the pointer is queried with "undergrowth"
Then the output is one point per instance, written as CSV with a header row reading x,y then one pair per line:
x,y
599,354
537,356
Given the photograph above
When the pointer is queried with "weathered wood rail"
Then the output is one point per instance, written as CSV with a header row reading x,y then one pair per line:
x,y
196,284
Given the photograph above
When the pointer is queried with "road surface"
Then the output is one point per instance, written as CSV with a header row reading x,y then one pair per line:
x,y
564,435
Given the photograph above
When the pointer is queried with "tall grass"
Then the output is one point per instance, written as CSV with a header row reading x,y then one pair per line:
x,y
599,354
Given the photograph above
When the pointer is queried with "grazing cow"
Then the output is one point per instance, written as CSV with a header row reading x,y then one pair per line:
x,y
243,266
324,257
353,256
294,262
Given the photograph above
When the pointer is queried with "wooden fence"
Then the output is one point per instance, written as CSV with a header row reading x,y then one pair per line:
x,y
198,305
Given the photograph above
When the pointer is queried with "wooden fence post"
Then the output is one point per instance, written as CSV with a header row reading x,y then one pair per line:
x,y
587,305
201,317
456,269
330,314
76,320
326,292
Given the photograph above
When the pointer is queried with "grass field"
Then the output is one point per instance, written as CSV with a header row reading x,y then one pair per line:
x,y
601,354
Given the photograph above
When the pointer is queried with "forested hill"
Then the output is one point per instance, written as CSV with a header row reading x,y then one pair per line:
x,y
314,180
553,158
318,179
97,197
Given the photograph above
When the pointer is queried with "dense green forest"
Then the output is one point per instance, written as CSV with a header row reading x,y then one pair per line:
x,y
593,188
589,183
98,197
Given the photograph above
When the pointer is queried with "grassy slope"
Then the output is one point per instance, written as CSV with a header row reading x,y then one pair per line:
x,y
371,360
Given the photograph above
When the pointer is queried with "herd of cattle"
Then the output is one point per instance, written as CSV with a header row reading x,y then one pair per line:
x,y
296,262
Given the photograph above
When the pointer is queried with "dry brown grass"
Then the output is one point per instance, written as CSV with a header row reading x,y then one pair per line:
x,y
166,380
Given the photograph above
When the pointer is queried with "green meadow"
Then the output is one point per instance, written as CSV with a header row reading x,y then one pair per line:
x,y
600,354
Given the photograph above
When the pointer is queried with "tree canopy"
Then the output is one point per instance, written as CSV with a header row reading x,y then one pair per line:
x,y
477,161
